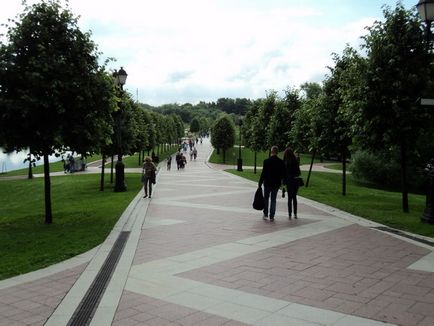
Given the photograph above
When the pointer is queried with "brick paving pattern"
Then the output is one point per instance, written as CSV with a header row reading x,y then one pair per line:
x,y
31,303
205,257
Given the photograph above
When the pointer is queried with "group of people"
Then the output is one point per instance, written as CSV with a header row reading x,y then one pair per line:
x,y
149,168
71,165
181,160
276,171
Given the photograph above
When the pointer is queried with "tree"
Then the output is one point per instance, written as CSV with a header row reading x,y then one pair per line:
x,y
51,87
223,134
397,74
336,134
262,121
280,126
252,136
194,125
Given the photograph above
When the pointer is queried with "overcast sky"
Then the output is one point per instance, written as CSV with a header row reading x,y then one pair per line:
x,y
178,51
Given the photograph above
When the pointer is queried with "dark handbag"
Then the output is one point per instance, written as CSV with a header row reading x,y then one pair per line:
x,y
299,181
258,201
143,178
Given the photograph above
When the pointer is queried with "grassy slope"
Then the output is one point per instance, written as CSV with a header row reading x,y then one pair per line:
x,y
82,218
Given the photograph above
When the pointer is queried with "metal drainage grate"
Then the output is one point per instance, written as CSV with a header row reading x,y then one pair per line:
x,y
86,309
402,234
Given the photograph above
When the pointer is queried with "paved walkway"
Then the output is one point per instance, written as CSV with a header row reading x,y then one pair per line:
x,y
198,254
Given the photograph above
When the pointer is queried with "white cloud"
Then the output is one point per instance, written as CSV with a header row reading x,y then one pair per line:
x,y
191,50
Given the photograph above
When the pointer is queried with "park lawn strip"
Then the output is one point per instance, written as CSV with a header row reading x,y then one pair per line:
x,y
248,157
83,217
132,161
374,204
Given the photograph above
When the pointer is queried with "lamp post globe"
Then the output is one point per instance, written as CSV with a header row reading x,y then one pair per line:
x,y
426,12
120,78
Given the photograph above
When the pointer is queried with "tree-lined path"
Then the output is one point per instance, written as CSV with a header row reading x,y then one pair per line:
x,y
198,254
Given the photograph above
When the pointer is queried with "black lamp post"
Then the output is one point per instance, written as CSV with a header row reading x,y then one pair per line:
x,y
426,11
120,77
240,160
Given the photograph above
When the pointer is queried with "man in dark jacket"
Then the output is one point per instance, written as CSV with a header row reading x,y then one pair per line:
x,y
272,174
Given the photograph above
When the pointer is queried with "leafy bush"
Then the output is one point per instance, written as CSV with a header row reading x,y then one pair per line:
x,y
384,171
376,169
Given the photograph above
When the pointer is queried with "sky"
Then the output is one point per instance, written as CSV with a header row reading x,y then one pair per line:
x,y
179,51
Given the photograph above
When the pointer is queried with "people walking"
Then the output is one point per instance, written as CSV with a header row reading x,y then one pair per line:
x,y
178,159
169,162
272,174
194,153
148,173
292,171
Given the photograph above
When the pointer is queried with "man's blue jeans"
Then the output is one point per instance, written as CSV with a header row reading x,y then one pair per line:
x,y
270,192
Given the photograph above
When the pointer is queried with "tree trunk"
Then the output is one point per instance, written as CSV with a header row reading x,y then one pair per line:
x,y
140,156
254,169
30,175
224,156
310,168
111,170
47,188
344,172
404,182
101,186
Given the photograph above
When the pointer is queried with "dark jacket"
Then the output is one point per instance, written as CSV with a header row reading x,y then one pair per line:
x,y
292,170
273,172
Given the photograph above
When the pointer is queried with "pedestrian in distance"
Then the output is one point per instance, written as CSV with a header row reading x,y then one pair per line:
x,y
194,153
292,171
182,161
169,162
273,172
178,159
148,176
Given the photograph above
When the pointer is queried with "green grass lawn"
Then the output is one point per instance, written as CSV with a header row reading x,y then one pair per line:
x,y
247,156
132,161
374,204
82,218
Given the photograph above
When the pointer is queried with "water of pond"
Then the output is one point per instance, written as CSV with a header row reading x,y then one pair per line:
x,y
15,161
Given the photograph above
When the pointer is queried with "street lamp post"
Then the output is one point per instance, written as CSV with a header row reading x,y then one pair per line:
x,y
120,78
240,160
426,11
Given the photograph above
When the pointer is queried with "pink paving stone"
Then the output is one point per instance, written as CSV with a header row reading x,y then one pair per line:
x,y
423,308
410,289
171,312
126,322
33,302
397,315
427,321
368,311
356,289
10,322
314,294
141,317
194,319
